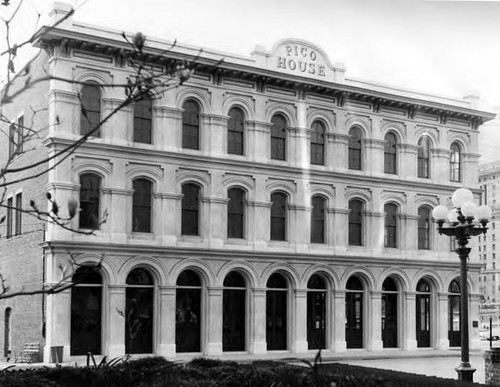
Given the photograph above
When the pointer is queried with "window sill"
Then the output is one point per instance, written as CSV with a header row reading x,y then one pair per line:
x,y
236,242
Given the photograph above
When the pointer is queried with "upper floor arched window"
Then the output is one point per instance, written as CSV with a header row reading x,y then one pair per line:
x,y
190,209
391,225
141,205
356,207
191,125
278,216
455,162
354,157
236,213
278,137
390,153
317,149
90,193
143,117
90,115
424,227
318,219
235,131
424,149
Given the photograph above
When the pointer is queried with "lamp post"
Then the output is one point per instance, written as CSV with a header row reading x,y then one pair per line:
x,y
464,221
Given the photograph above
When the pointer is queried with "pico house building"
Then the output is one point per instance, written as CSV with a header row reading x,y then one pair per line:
x,y
268,204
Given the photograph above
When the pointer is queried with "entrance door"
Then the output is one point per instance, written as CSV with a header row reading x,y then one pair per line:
x,y
454,314
276,313
316,320
389,313
354,313
423,314
233,313
188,312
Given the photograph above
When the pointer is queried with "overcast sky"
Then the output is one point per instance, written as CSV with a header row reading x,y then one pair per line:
x,y
449,47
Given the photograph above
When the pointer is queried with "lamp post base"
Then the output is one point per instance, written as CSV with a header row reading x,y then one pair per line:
x,y
465,372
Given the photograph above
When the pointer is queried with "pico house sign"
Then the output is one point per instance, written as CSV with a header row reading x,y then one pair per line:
x,y
301,58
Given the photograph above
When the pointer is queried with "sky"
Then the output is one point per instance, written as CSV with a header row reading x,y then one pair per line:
x,y
449,48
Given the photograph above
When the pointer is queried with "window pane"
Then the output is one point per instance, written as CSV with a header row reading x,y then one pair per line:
x,y
10,205
190,125
424,220
390,153
355,222
90,115
354,157
141,205
235,215
190,208
235,133
455,172
391,213
423,157
143,115
278,216
90,187
317,143
318,220
19,206
278,137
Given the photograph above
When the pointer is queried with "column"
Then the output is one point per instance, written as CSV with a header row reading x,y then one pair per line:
x,y
216,221
116,331
259,212
119,213
411,237
119,128
337,152
58,324
440,165
407,165
302,137
374,230
258,141
441,322
214,136
470,169
214,329
170,210
341,221
373,162
299,343
166,329
300,227
410,326
338,318
258,344
167,128
373,322
64,107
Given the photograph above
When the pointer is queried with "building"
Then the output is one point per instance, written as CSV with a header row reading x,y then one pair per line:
x,y
268,204
489,278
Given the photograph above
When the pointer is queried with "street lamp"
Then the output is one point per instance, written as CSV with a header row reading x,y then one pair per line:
x,y
465,220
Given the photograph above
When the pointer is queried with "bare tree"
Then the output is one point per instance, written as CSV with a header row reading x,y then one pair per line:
x,y
23,137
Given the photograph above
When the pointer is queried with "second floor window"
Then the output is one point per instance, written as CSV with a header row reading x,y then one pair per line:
x,y
12,140
190,209
424,227
354,156
355,222
391,223
424,147
191,125
143,117
318,219
278,137
19,207
390,154
141,205
278,216
318,143
235,131
90,192
455,156
10,210
90,115
235,213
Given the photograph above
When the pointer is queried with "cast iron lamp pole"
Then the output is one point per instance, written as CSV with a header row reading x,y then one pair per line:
x,y
464,221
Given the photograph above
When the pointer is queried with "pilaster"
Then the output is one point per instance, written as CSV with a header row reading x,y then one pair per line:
x,y
166,321
258,344
116,335
214,329
299,343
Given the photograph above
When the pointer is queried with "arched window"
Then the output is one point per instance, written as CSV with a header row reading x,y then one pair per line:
x,y
424,227
191,125
355,222
276,312
391,225
424,149
318,143
316,312
90,115
423,313
139,312
390,153
143,117
190,209
90,192
390,313
318,219
278,137
354,156
141,205
236,213
86,311
278,216
235,131
188,312
234,313
354,312
455,162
